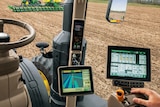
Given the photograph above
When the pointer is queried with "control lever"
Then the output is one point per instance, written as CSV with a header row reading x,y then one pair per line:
x,y
120,95
121,99
42,46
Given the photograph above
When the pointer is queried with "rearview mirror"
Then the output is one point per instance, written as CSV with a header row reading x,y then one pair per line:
x,y
116,10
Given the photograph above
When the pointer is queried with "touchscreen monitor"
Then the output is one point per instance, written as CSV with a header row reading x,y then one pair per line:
x,y
128,63
75,80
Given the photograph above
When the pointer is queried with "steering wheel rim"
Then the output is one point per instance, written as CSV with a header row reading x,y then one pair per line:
x,y
16,44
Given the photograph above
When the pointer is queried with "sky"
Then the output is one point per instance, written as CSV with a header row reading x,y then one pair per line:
x,y
119,5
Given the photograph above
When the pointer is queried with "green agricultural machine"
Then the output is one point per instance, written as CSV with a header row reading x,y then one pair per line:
x,y
36,6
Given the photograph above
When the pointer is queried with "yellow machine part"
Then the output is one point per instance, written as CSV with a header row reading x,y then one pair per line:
x,y
27,2
46,1
45,82
56,1
115,21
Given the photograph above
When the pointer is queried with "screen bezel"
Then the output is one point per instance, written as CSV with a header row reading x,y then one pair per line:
x,y
148,65
79,67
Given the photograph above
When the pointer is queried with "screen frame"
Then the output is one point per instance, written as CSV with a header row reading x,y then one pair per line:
x,y
148,65
60,86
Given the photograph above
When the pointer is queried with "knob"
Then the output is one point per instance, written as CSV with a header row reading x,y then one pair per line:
x,y
4,37
42,45
120,95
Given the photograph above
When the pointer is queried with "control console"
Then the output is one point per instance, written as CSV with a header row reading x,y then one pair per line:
x,y
131,84
128,67
121,99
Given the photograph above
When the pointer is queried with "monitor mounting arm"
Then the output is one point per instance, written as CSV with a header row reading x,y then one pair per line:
x,y
76,39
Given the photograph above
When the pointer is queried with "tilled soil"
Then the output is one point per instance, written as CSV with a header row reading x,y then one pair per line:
x,y
141,29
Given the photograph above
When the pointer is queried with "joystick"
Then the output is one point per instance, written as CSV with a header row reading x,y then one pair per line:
x,y
121,99
120,95
129,99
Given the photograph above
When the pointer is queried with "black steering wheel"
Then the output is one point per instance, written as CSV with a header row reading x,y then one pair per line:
x,y
28,38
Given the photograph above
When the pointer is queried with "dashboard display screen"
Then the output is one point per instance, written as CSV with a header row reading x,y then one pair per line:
x,y
75,80
128,63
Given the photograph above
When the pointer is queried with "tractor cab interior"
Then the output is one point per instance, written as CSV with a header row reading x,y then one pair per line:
x,y
70,81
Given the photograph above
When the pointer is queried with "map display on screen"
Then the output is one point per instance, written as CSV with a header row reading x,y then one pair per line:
x,y
76,80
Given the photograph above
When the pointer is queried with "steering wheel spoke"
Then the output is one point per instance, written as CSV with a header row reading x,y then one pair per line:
x,y
16,44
